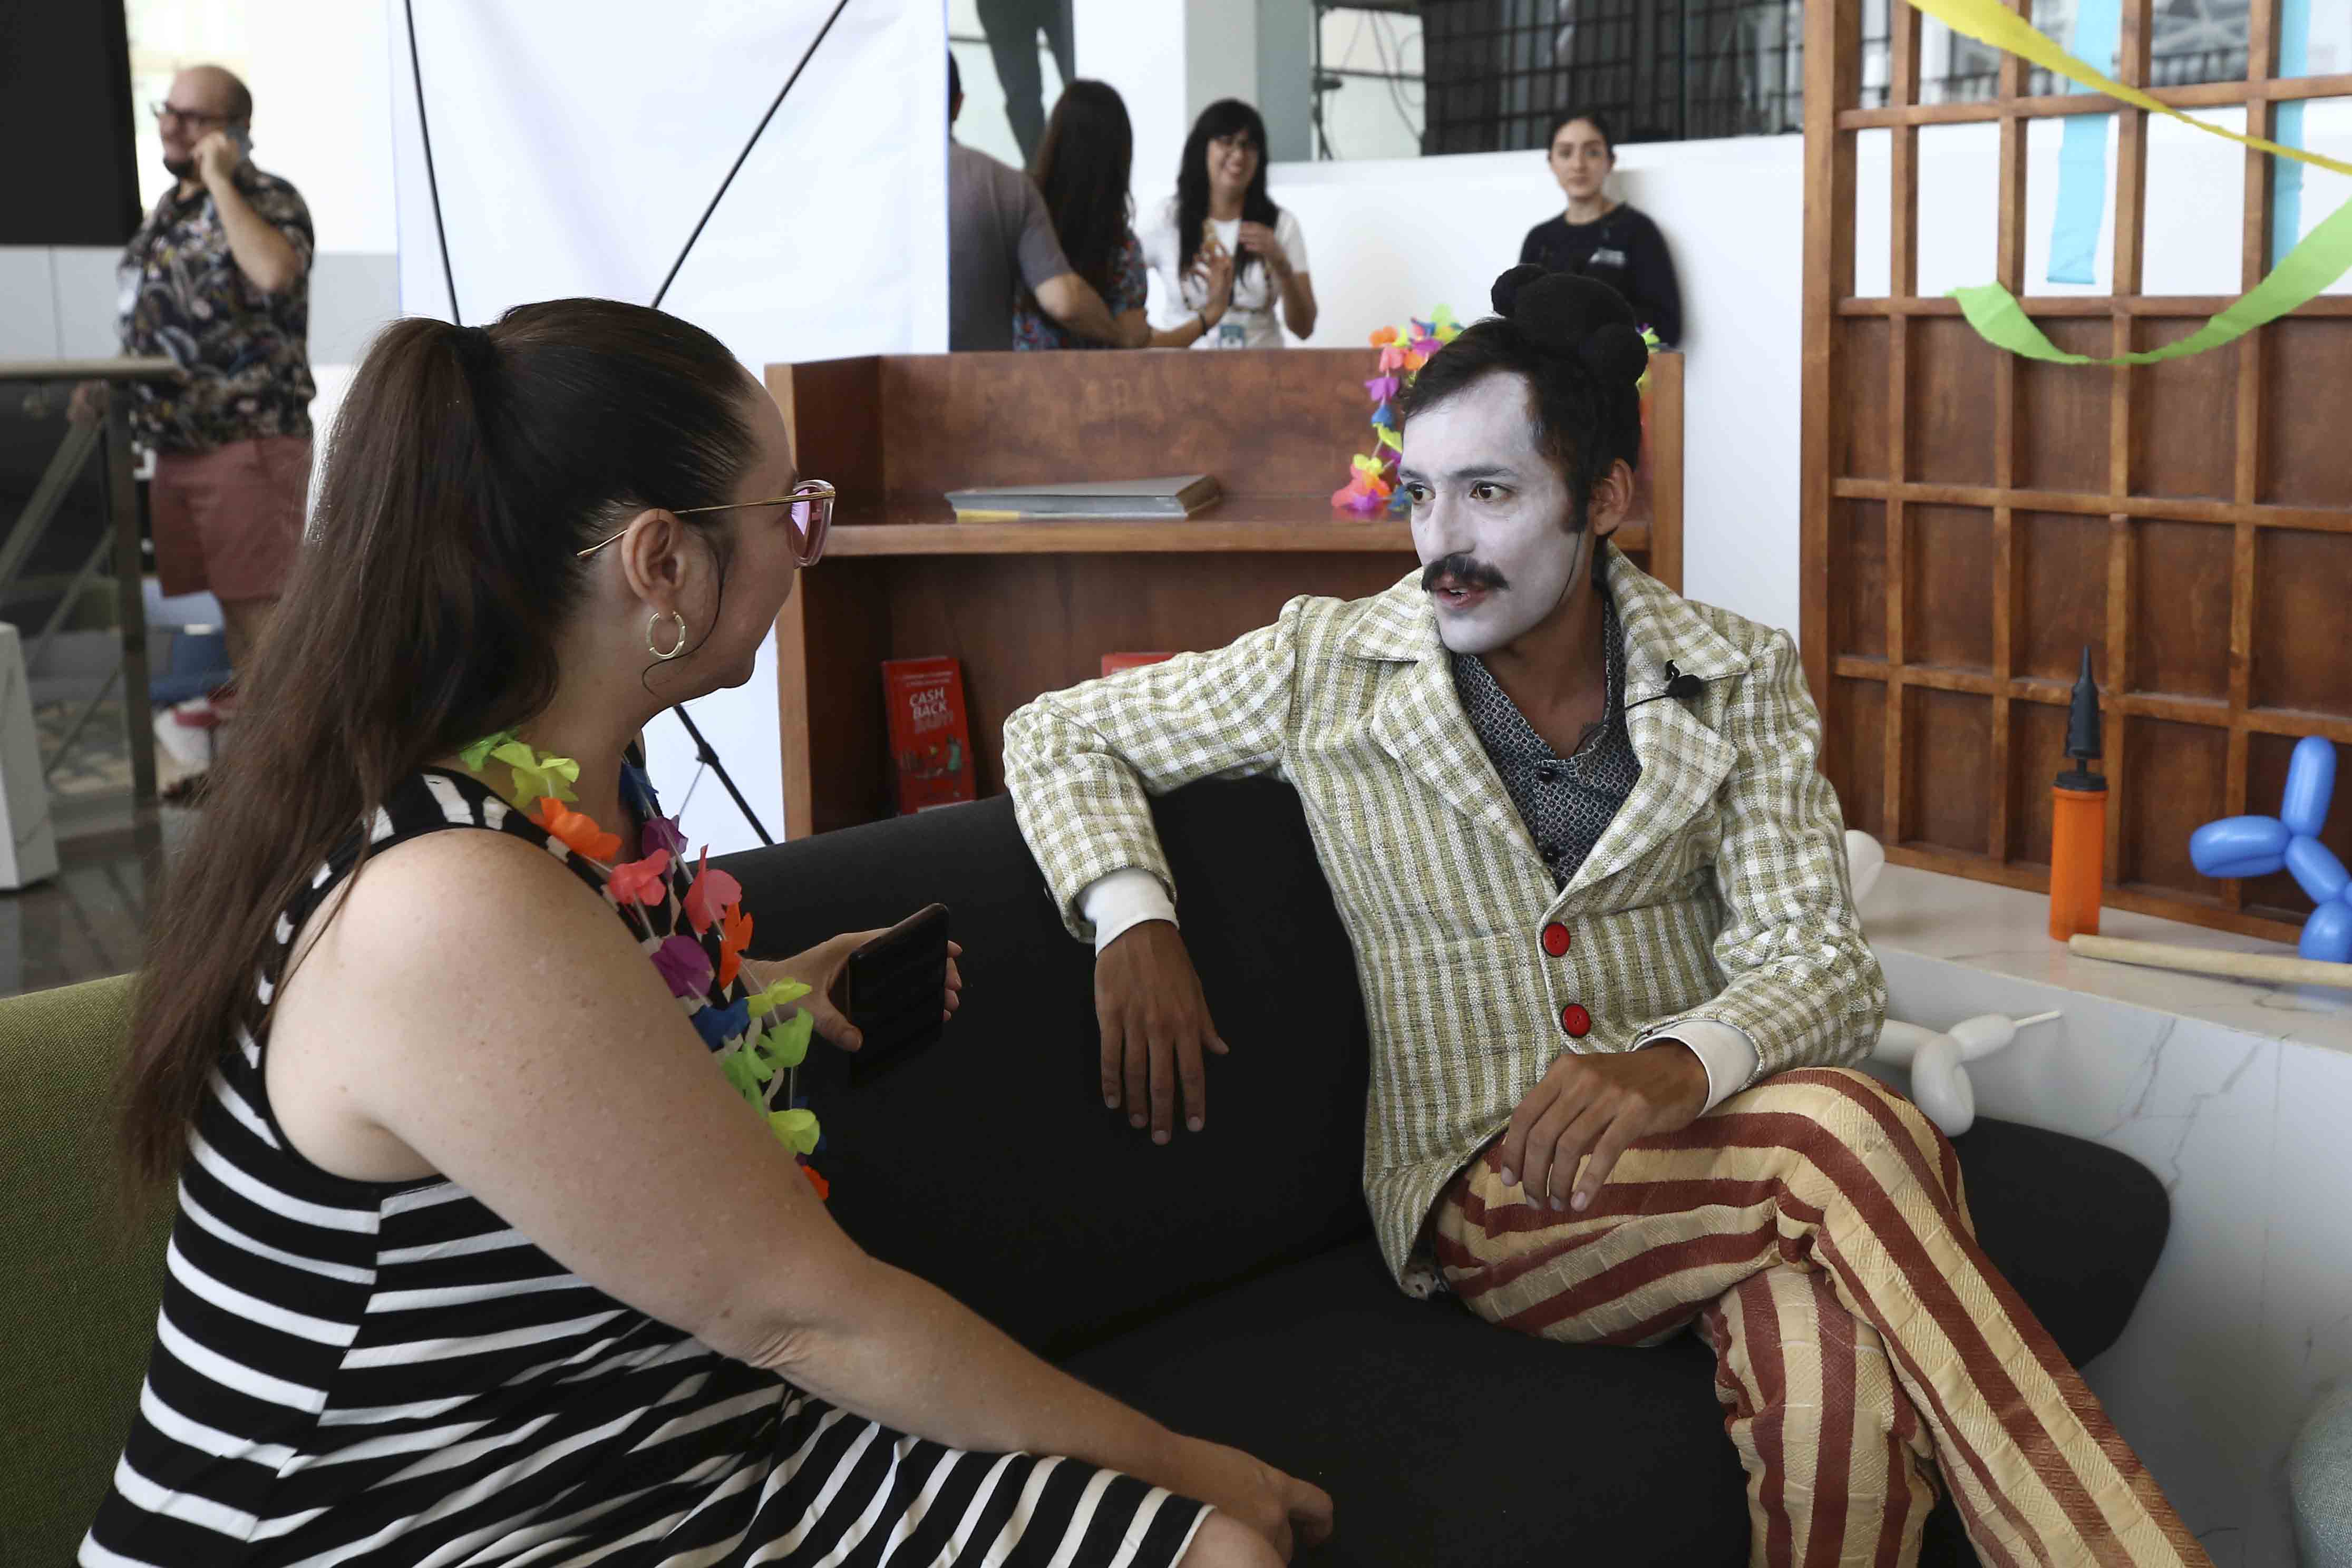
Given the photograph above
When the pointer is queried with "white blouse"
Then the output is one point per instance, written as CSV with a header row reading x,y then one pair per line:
x,y
1254,318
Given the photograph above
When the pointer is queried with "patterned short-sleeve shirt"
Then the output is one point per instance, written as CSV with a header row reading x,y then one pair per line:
x,y
1567,802
246,351
1130,284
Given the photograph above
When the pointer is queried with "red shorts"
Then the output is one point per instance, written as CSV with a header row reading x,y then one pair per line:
x,y
230,519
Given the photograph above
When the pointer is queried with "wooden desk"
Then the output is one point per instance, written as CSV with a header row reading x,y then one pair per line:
x,y
1033,606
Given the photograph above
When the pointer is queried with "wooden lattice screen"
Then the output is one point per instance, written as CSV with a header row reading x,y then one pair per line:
x,y
1973,519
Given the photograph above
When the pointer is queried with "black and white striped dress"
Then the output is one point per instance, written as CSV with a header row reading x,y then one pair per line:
x,y
366,1373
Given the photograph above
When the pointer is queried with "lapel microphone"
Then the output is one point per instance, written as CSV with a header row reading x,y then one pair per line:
x,y
1680,688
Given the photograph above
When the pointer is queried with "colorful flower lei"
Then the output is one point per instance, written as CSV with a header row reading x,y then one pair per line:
x,y
760,1059
1404,349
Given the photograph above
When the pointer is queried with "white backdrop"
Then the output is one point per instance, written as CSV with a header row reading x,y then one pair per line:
x,y
577,141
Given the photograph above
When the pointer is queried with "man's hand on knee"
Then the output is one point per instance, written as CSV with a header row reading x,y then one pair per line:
x,y
1155,1028
1590,1108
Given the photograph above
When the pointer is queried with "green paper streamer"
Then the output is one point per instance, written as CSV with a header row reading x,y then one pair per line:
x,y
2324,256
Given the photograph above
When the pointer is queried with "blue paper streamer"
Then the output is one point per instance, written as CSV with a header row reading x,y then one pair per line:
x,y
2082,206
2286,129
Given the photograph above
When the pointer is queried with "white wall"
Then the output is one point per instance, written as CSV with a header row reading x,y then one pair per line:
x,y
322,90
1142,50
1220,53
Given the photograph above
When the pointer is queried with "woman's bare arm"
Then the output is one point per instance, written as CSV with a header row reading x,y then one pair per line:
x,y
474,1010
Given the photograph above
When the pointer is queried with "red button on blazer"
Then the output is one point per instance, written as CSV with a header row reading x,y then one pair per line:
x,y
1554,938
1576,1020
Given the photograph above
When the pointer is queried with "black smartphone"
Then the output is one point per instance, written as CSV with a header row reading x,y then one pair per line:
x,y
893,989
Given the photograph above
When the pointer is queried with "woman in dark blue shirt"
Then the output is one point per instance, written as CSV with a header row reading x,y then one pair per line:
x,y
1601,238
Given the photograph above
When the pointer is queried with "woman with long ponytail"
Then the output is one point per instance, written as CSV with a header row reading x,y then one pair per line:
x,y
481,1255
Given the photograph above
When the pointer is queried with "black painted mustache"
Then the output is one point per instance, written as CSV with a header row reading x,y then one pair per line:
x,y
1466,571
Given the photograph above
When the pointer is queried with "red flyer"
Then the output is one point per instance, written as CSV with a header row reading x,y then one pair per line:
x,y
930,738
1112,663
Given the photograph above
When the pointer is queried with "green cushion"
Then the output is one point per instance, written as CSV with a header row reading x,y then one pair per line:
x,y
83,1262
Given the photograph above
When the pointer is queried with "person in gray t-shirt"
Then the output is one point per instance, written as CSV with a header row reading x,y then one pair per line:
x,y
1001,240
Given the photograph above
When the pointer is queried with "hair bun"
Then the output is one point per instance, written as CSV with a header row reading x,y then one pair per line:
x,y
1505,294
1568,314
1616,353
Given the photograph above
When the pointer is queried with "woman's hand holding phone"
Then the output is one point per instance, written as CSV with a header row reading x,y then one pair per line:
x,y
820,969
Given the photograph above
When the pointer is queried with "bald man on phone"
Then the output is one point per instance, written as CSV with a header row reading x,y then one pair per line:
x,y
218,279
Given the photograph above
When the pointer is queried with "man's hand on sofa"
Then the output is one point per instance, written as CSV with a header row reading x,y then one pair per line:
x,y
1290,1513
1155,1027
820,969
1596,1105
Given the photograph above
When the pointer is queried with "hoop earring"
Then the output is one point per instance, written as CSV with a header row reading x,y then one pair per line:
x,y
675,648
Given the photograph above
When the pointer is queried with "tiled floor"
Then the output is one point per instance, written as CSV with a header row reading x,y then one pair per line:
x,y
98,763
90,919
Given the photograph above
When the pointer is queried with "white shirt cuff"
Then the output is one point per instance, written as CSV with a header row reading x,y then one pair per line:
x,y
1723,1049
1121,900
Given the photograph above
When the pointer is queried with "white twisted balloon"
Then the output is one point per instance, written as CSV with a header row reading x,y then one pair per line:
x,y
1939,1060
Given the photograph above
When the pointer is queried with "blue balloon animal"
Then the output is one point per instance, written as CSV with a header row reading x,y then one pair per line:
x,y
2257,846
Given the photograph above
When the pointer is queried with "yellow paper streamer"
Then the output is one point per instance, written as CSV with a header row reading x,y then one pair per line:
x,y
2324,255
1990,22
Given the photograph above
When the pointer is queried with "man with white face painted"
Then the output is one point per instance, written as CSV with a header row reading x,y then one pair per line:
x,y
1492,516
1596,889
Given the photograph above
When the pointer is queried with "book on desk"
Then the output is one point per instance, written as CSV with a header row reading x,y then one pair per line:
x,y
1175,496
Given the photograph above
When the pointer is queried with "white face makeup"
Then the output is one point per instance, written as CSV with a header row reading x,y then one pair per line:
x,y
1490,515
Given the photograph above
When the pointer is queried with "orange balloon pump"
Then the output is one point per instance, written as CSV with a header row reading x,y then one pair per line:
x,y
2078,821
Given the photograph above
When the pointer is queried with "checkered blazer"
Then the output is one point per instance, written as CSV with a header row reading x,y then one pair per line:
x,y
1719,891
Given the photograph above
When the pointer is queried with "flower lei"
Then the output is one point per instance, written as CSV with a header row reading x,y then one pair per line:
x,y
1404,349
759,1039
1373,489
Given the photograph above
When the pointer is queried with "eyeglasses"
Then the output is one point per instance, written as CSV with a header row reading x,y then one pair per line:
x,y
810,519
163,111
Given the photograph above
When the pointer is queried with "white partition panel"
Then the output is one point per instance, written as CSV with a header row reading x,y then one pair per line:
x,y
577,143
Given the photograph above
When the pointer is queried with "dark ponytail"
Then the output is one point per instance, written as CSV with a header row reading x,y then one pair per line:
x,y
467,467
1573,338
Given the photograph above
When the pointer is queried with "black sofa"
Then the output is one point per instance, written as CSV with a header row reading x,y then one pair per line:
x,y
1228,1284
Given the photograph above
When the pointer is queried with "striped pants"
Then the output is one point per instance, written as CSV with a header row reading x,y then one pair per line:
x,y
1813,1230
